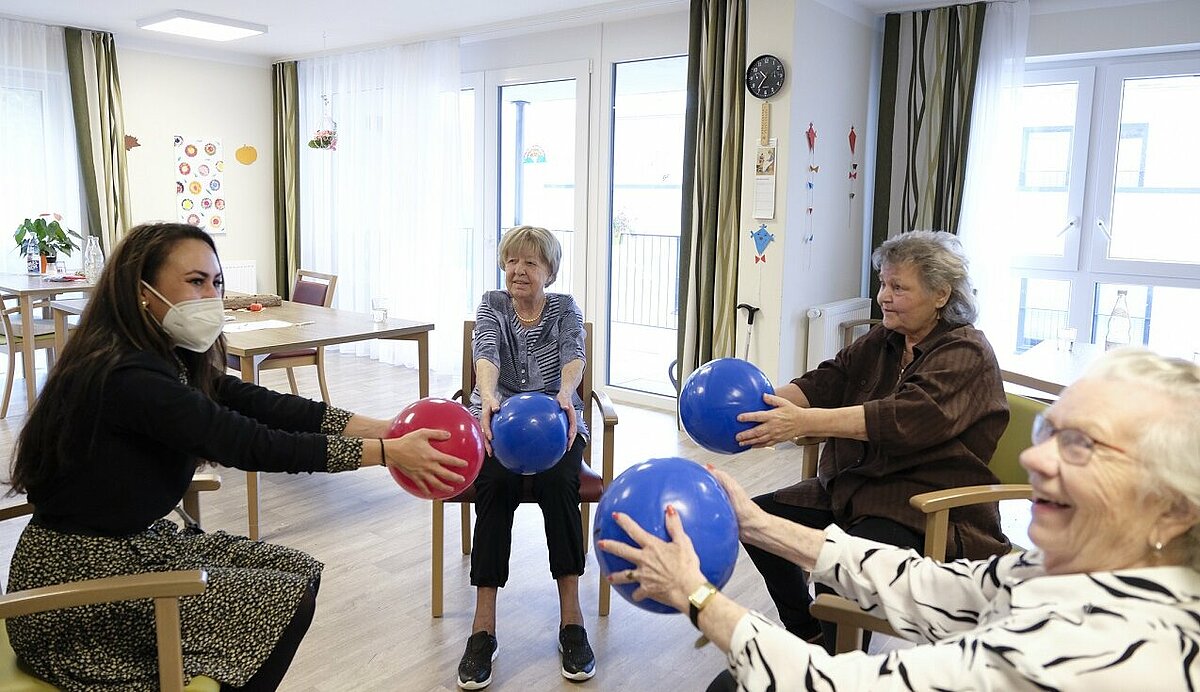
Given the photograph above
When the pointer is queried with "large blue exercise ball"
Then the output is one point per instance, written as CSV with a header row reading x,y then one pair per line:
x,y
644,492
712,397
529,433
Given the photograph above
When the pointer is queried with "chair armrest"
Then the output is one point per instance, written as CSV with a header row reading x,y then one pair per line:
x,y
937,505
128,587
606,406
609,414
204,482
850,620
941,500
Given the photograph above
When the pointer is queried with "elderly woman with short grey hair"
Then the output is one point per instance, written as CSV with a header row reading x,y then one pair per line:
x,y
528,340
1106,599
917,404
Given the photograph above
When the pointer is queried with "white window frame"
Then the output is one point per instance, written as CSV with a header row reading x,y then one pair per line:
x,y
580,71
1103,171
1098,115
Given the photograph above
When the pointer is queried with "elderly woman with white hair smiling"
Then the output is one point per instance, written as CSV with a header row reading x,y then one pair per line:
x,y
1108,599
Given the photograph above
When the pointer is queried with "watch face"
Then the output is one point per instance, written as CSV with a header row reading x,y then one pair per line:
x,y
764,77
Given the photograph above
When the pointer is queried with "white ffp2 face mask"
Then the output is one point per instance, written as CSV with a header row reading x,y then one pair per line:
x,y
193,324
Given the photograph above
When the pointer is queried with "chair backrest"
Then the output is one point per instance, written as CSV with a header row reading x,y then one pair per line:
x,y
313,288
1021,412
585,382
14,331
853,329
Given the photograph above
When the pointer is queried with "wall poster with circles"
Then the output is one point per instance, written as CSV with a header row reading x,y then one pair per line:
x,y
199,182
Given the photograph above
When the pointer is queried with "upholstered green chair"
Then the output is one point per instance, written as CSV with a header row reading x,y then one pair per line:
x,y
936,505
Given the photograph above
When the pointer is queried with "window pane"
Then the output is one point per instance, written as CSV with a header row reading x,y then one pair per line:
x,y
1156,200
649,98
1042,311
1048,129
537,165
1162,317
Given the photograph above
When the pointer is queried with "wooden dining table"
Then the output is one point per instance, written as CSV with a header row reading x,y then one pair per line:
x,y
1049,367
30,288
301,326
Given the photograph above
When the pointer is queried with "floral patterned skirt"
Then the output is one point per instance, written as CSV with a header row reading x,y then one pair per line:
x,y
228,631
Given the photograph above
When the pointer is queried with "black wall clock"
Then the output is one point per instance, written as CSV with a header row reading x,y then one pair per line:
x,y
764,77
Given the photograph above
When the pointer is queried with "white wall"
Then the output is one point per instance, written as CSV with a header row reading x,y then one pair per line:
x,y
1057,28
828,58
165,95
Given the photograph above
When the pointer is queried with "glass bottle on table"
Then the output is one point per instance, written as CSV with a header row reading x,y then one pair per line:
x,y
93,259
33,259
1120,329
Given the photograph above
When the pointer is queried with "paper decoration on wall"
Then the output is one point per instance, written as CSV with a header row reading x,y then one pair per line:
x,y
853,174
851,181
246,154
761,240
764,180
810,183
199,191
131,142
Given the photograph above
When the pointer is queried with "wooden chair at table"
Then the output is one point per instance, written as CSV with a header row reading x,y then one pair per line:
x,y
591,484
851,331
312,288
165,588
15,333
936,505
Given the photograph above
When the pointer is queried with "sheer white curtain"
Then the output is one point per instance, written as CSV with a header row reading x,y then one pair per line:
x,y
992,164
39,161
382,210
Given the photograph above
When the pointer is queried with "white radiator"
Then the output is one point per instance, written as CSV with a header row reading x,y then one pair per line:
x,y
241,276
825,327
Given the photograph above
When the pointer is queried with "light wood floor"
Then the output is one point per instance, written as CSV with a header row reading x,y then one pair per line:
x,y
373,630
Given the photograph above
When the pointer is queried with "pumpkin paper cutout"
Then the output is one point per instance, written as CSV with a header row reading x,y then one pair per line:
x,y
246,155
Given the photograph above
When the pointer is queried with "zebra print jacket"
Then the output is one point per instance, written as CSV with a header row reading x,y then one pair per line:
x,y
997,624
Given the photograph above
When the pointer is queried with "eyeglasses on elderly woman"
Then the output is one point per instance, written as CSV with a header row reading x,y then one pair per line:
x,y
1074,446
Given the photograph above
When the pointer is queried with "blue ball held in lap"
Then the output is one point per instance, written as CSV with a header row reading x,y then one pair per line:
x,y
712,397
643,492
529,433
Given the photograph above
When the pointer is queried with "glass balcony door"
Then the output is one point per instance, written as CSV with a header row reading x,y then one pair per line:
x,y
649,97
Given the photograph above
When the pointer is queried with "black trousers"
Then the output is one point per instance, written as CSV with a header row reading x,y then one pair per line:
x,y
785,580
498,493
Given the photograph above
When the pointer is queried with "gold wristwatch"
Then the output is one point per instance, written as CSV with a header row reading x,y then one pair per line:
x,y
698,600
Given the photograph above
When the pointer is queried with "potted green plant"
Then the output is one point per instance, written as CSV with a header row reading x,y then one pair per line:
x,y
49,234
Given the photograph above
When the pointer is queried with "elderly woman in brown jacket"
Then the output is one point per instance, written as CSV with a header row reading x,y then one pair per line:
x,y
915,405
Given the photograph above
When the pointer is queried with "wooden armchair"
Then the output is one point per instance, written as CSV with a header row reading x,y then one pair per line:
x,y
850,620
41,331
165,588
591,484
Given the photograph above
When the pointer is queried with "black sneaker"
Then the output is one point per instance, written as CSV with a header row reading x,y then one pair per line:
x,y
578,661
475,668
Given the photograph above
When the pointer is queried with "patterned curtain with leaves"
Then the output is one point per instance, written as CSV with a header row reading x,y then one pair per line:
x,y
100,132
927,85
712,181
285,102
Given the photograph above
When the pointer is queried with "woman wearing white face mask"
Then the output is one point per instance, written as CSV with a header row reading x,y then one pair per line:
x,y
137,398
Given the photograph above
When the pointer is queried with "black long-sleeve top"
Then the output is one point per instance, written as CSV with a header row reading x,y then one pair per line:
x,y
150,428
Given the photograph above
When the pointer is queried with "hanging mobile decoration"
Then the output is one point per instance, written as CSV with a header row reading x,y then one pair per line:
x,y
851,179
326,135
810,185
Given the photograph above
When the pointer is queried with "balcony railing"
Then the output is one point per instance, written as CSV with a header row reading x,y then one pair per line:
x,y
645,280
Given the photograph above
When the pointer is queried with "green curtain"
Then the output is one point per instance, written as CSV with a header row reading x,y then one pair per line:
x,y
712,182
927,85
99,132
286,107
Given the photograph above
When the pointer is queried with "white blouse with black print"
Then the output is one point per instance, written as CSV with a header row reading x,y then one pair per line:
x,y
998,624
